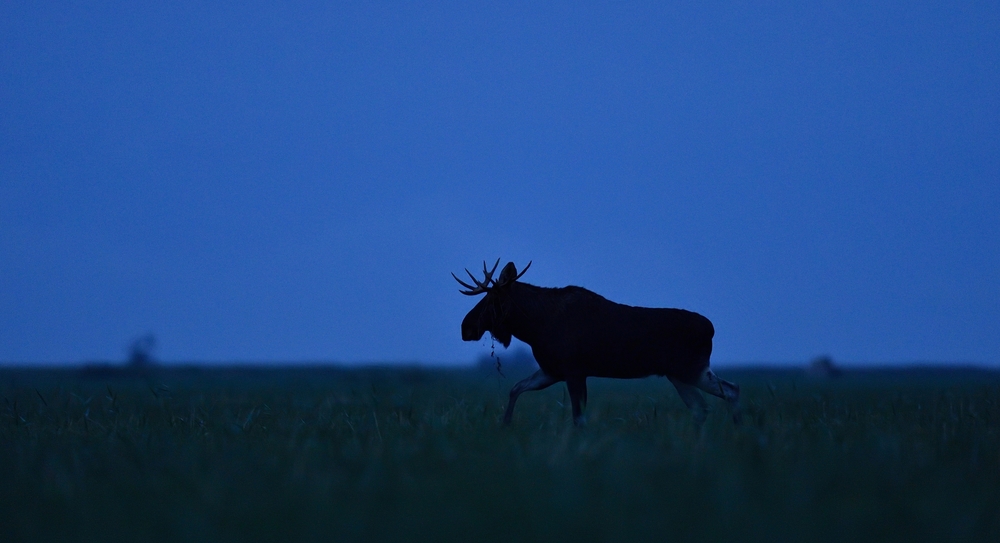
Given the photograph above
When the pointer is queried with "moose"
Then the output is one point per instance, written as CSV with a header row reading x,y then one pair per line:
x,y
575,334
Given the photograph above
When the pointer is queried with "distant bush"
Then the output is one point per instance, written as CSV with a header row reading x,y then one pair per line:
x,y
823,367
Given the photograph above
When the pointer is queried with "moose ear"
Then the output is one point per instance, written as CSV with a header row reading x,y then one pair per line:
x,y
508,273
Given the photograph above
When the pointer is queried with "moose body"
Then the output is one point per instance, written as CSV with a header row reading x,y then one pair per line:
x,y
575,334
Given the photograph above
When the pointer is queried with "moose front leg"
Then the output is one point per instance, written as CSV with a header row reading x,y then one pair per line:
x,y
692,399
730,392
578,397
537,381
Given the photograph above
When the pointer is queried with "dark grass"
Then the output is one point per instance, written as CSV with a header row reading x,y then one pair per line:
x,y
402,455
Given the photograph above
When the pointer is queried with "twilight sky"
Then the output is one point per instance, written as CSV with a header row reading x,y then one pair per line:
x,y
251,181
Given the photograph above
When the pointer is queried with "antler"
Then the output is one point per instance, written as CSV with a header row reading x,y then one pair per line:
x,y
481,286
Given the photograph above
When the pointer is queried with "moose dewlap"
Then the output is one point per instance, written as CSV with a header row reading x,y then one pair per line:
x,y
575,334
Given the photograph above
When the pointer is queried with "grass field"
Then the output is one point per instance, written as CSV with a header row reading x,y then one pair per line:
x,y
403,455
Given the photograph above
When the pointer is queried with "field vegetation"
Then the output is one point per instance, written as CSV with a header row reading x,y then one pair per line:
x,y
407,454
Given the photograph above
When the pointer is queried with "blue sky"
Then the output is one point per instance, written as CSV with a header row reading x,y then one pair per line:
x,y
255,182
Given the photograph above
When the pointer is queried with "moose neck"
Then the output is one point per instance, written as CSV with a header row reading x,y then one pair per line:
x,y
528,309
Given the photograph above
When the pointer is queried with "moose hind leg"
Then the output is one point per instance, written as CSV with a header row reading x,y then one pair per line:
x,y
712,384
578,397
537,381
692,399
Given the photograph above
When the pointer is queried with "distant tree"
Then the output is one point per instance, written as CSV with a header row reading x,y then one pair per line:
x,y
140,352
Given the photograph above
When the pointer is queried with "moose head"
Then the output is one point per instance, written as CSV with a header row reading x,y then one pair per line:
x,y
492,312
